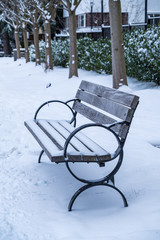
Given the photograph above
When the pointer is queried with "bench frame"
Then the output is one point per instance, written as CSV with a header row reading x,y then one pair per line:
x,y
105,181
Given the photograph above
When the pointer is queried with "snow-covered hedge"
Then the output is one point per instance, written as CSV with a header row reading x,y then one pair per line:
x,y
142,54
60,52
92,55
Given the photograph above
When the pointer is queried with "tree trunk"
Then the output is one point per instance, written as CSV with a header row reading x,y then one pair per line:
x,y
17,42
25,44
118,60
49,62
73,67
36,43
6,44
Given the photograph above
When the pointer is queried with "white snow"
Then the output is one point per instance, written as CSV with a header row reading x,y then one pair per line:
x,y
34,197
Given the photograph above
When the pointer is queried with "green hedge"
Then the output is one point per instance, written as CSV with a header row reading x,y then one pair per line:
x,y
91,54
94,55
142,54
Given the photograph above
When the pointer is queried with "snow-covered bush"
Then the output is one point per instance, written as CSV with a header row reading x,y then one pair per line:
x,y
60,52
41,49
142,53
85,46
32,53
94,55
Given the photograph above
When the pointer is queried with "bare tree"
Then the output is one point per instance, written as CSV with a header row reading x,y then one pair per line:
x,y
47,9
23,21
4,34
9,9
30,15
24,29
71,6
118,60
6,43
13,15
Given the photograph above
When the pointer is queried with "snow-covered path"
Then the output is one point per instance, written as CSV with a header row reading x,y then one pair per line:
x,y
34,197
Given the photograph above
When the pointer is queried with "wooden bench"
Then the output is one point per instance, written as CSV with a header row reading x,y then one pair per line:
x,y
109,109
22,52
1,53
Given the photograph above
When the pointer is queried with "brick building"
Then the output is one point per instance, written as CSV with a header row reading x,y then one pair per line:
x,y
93,17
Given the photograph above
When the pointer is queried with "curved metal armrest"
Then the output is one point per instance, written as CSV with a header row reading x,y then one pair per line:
x,y
64,103
120,144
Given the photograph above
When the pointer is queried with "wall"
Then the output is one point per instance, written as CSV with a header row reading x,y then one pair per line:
x,y
154,6
135,9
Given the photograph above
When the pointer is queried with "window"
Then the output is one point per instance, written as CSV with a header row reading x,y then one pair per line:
x,y
67,22
154,19
81,20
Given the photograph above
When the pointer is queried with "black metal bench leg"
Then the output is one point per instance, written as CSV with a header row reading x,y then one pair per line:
x,y
85,187
41,153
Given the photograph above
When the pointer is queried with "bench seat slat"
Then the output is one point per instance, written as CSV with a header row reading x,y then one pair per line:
x,y
48,141
55,136
78,145
43,140
87,141
80,142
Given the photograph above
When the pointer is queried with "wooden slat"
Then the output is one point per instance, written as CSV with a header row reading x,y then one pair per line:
x,y
53,134
48,141
123,131
44,141
100,118
107,105
80,142
92,114
88,158
111,94
94,147
78,145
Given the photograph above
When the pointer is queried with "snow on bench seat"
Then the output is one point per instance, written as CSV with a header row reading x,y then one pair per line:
x,y
51,135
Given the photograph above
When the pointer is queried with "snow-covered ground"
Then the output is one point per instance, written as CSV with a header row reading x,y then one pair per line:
x,y
34,197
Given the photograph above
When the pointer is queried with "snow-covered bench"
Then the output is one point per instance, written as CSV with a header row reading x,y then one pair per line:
x,y
22,52
108,109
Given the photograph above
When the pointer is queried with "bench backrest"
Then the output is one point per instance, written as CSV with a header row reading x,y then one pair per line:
x,y
106,105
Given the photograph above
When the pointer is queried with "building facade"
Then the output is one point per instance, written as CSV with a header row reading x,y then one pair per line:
x,y
93,16
153,12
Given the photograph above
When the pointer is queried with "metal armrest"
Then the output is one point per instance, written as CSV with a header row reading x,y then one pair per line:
x,y
108,128
64,103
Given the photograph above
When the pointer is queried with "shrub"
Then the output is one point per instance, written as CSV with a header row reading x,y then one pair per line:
x,y
60,52
94,55
142,51
142,54
41,49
